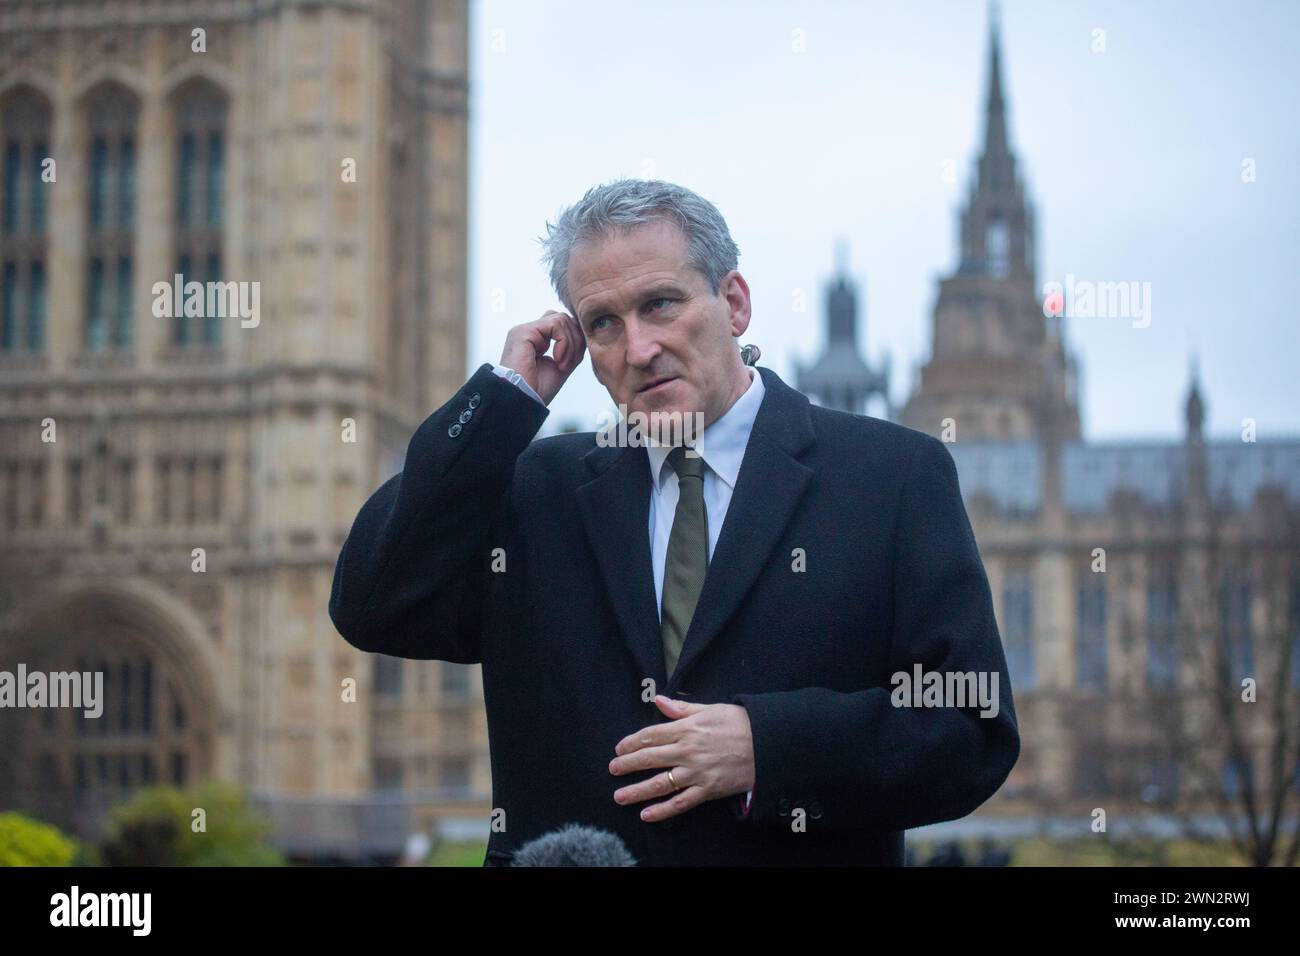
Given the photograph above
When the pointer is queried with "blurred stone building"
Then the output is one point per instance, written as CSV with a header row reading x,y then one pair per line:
x,y
1136,584
179,532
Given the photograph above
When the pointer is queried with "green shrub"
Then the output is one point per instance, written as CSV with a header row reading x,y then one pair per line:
x,y
156,828
28,842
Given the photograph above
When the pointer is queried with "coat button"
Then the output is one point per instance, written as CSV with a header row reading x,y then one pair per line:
x,y
465,416
474,400
783,807
454,430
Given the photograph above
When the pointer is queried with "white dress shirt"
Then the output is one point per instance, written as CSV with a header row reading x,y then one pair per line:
x,y
721,445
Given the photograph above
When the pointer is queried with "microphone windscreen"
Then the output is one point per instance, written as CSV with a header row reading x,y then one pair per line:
x,y
575,845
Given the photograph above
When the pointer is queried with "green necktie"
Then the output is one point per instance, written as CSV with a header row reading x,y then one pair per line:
x,y
688,555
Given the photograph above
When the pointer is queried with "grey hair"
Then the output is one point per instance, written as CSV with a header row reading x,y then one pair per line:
x,y
625,203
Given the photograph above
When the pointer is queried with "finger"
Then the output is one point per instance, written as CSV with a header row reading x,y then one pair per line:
x,y
685,800
566,353
653,736
539,337
559,332
579,341
676,708
647,758
561,352
656,786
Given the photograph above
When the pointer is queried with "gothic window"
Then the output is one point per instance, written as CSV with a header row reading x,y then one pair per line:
x,y
125,486
214,511
200,116
1162,632
163,489
1234,622
112,114
188,484
24,145
71,764
1018,622
388,676
997,247
11,494
38,490
75,473
1090,631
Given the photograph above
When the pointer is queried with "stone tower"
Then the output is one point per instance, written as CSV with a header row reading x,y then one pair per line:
x,y
998,368
840,378
174,488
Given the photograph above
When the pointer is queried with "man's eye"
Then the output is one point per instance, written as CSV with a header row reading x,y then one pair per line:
x,y
661,299
595,323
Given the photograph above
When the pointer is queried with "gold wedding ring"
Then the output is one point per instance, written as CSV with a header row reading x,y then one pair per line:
x,y
674,783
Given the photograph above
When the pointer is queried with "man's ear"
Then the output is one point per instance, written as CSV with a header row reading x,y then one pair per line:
x,y
735,291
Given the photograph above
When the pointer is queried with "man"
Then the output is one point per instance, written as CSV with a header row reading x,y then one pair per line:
x,y
696,652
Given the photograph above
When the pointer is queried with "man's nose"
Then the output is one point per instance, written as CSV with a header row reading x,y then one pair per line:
x,y
642,344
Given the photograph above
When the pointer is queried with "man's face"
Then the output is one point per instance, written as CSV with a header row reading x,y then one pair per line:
x,y
648,315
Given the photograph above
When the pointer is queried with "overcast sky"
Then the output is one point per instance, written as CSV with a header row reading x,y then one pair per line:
x,y
1132,157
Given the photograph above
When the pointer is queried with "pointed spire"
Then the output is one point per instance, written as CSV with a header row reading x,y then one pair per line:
x,y
996,228
1197,461
1194,408
997,167
842,300
995,123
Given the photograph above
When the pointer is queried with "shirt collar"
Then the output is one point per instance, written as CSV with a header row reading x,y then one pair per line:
x,y
722,444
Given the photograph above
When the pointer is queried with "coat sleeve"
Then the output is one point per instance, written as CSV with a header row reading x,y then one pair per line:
x,y
411,577
855,760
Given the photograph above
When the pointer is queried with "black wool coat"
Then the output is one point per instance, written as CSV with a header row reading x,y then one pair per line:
x,y
846,556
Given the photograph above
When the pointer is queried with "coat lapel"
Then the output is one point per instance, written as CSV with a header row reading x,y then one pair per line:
x,y
769,487
615,509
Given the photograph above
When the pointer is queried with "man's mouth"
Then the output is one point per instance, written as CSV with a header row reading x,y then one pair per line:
x,y
656,383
